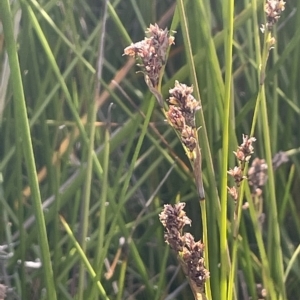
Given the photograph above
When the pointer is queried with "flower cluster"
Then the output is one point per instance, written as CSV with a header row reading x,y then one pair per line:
x,y
190,252
181,116
273,9
174,219
181,113
192,256
257,175
152,53
243,154
245,150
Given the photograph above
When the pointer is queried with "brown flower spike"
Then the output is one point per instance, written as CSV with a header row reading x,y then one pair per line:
x,y
174,219
181,97
152,52
181,116
190,253
273,10
244,151
193,258
243,155
257,174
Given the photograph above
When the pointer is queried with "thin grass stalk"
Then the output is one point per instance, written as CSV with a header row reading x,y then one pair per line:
x,y
53,179
274,121
24,132
291,263
57,233
132,246
77,179
102,218
284,203
115,17
46,46
228,17
162,277
243,155
86,197
274,244
150,107
247,260
261,64
122,278
197,171
274,248
266,275
63,85
23,234
213,205
205,240
117,207
84,259
235,244
218,39
184,25
92,124
70,45
138,13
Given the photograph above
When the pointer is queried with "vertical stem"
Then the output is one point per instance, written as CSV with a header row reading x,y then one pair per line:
x,y
92,114
274,248
206,250
24,134
228,9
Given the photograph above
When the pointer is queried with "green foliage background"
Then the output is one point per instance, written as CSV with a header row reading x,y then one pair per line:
x,y
108,169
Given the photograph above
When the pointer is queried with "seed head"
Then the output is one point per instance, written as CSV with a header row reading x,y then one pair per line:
x,y
174,219
237,174
232,191
188,138
257,174
273,9
181,96
190,252
152,53
245,150
193,256
175,118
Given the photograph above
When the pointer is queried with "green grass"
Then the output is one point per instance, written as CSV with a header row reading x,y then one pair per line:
x,y
103,172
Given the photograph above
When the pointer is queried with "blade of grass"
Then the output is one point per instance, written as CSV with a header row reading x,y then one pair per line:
x,y
228,13
24,132
87,194
83,258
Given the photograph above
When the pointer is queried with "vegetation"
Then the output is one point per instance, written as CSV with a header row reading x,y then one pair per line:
x,y
88,160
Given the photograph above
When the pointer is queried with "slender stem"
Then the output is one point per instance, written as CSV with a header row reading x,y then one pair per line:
x,y
206,250
228,10
22,124
87,196
266,276
274,249
84,259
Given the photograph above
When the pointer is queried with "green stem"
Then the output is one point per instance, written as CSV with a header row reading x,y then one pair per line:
x,y
84,259
92,115
274,248
206,250
24,134
228,15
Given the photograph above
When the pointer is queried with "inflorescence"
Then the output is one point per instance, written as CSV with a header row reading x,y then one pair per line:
x,y
190,253
152,53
